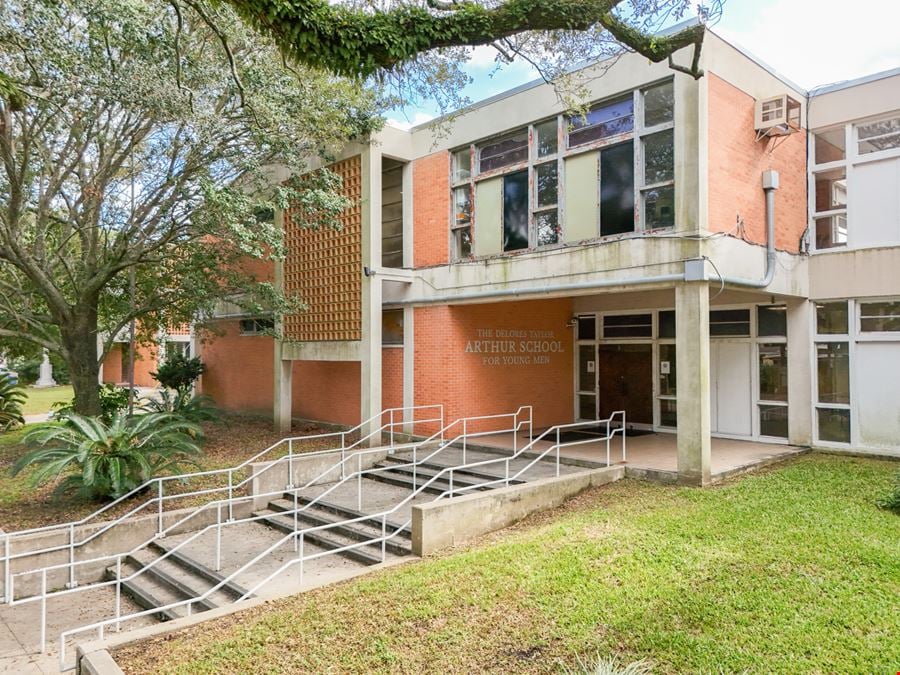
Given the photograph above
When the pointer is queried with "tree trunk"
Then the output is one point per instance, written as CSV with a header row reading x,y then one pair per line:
x,y
79,339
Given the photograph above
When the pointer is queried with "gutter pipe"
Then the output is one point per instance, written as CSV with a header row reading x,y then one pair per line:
x,y
694,270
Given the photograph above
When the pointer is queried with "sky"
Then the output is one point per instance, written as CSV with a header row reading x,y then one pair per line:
x,y
810,42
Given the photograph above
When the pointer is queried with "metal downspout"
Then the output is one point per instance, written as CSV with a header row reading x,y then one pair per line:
x,y
770,184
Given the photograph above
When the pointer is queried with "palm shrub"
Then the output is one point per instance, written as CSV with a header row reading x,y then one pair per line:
x,y
113,400
200,408
107,460
12,398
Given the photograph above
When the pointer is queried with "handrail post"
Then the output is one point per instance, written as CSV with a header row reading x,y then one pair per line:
x,y
301,558
118,592
219,536
159,508
230,494
507,471
343,457
623,436
290,480
44,611
359,482
72,556
415,484
465,437
451,483
7,572
383,536
515,432
557,461
392,427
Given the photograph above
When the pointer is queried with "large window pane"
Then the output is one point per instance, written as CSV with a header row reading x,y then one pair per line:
x,y
463,242
666,328
831,189
878,317
667,379
659,157
587,328
602,121
546,138
392,327
831,318
617,189
659,104
627,326
587,407
729,322
773,372
659,207
771,321
773,421
587,376
833,372
547,188
506,151
462,206
877,136
834,425
515,211
831,231
668,412
830,146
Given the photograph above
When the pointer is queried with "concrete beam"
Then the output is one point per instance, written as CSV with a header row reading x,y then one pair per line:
x,y
692,382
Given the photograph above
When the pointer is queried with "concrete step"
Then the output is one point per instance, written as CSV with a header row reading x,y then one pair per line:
x,y
360,531
432,468
182,583
325,540
148,591
230,588
400,478
346,513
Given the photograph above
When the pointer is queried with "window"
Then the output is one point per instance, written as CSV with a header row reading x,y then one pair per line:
x,y
392,327
179,348
830,146
878,136
506,151
515,211
831,318
547,135
257,326
602,121
830,205
833,425
879,317
461,227
627,325
833,369
773,372
391,213
546,216
666,327
587,328
771,321
729,323
462,165
617,189
659,104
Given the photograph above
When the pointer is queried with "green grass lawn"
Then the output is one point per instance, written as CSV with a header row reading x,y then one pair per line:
x,y
789,570
40,400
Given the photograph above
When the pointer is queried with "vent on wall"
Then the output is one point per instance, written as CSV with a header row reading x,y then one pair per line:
x,y
777,116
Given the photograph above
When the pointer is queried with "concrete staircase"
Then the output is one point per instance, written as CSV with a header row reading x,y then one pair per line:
x,y
397,474
171,580
342,534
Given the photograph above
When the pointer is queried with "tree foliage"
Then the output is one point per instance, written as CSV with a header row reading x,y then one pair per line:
x,y
143,147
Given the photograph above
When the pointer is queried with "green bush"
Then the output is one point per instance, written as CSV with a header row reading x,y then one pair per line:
x,y
179,372
12,398
113,400
891,499
106,461
195,409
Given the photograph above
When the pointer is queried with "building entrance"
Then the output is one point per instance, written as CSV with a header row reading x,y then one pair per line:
x,y
625,381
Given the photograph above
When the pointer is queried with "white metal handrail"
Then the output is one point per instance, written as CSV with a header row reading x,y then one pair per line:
x,y
160,498
299,535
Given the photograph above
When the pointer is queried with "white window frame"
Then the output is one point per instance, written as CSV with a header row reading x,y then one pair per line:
x,y
822,338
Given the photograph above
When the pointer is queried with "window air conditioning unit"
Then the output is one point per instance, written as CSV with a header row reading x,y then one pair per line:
x,y
777,116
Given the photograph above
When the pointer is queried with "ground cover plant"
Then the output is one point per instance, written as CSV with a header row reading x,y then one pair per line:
x,y
227,442
793,569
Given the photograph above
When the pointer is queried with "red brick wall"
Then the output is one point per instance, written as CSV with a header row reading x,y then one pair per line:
x,y
145,362
445,372
327,391
391,377
239,369
431,209
736,163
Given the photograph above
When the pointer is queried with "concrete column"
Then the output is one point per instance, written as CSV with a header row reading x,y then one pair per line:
x,y
800,377
409,370
370,347
283,369
692,363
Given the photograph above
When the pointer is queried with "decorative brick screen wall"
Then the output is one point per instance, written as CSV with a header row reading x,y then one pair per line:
x,y
323,268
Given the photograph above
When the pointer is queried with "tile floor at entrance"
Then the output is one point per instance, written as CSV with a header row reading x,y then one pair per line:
x,y
659,452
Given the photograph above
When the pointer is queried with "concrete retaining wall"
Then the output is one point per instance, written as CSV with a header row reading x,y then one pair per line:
x,y
449,522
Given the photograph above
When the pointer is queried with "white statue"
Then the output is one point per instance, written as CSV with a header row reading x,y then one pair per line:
x,y
46,376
